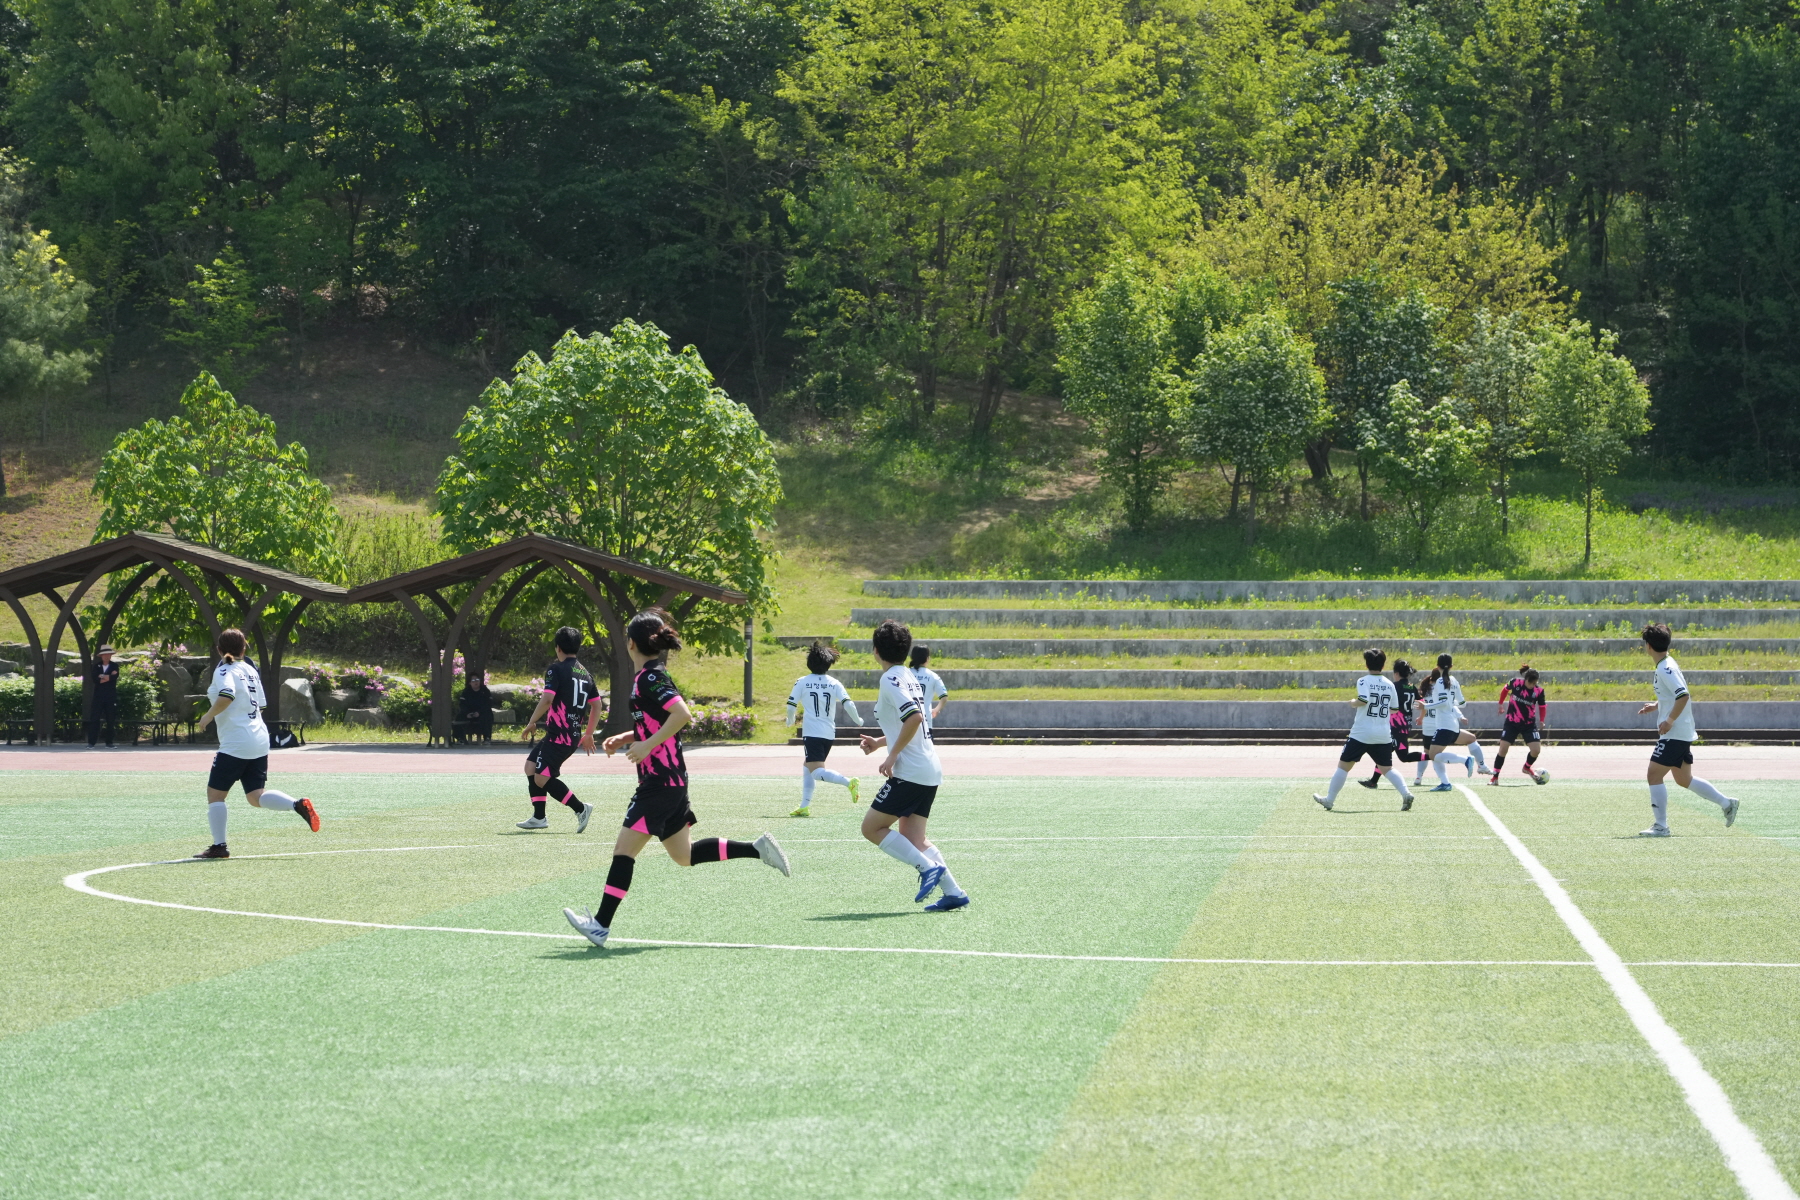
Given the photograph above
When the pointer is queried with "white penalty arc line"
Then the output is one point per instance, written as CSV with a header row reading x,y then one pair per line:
x,y
1756,1172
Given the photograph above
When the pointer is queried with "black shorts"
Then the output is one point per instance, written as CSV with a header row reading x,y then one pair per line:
x,y
253,773
817,749
1445,737
548,757
1670,752
1380,753
661,812
898,798
1519,731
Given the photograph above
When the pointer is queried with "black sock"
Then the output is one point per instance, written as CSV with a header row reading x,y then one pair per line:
x,y
1499,762
718,849
618,882
537,810
560,790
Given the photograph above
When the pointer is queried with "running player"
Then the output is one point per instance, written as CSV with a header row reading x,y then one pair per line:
x,y
1675,736
569,696
936,694
896,820
1444,696
1524,711
243,757
1371,732
659,808
815,702
1400,723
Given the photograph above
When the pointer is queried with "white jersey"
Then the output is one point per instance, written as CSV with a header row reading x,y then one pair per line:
x,y
1376,700
933,687
242,733
900,696
817,700
1445,704
1670,687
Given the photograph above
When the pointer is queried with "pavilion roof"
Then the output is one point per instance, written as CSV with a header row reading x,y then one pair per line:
x,y
473,567
137,549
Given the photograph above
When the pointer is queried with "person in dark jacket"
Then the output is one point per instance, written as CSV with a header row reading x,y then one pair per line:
x,y
104,675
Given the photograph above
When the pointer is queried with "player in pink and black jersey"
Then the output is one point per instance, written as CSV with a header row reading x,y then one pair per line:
x,y
1524,711
659,808
569,709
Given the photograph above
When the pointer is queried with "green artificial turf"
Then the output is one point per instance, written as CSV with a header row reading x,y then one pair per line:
x,y
161,1052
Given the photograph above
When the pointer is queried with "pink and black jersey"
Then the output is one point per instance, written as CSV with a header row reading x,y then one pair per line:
x,y
1525,703
652,692
571,689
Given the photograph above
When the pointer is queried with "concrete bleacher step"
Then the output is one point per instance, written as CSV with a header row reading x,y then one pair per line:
x,y
980,679
988,648
1574,619
1555,591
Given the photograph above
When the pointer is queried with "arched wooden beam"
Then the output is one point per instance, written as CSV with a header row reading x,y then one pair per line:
x,y
443,605
491,630
279,651
619,709
429,636
443,682
113,612
193,590
66,618
43,692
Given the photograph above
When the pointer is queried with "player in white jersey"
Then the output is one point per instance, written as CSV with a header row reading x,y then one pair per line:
x,y
1443,698
936,694
1675,736
1370,733
896,820
815,702
243,757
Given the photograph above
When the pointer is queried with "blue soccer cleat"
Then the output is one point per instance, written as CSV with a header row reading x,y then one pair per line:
x,y
928,881
946,903
1443,787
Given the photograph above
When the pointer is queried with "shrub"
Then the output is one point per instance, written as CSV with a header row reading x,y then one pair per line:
x,y
138,700
358,677
722,724
319,674
406,707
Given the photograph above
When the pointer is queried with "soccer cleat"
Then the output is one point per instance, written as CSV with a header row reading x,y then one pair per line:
x,y
929,878
1495,781
587,927
582,817
216,850
855,790
1655,831
1443,787
1406,803
534,823
947,903
1371,784
1469,768
1731,814
1322,802
769,850
802,811
303,808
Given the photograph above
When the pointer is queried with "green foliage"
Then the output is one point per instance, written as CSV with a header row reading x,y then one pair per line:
x,y
1494,372
1426,455
619,443
138,699
406,707
218,320
1257,399
733,724
1592,405
1117,361
214,475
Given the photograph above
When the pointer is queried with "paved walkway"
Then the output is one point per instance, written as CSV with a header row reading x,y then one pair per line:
x,y
1621,762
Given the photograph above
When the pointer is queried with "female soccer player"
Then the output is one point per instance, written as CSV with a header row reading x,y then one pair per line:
x,y
936,694
1444,697
1675,736
1400,723
569,697
896,820
659,808
1524,711
243,757
1371,732
815,702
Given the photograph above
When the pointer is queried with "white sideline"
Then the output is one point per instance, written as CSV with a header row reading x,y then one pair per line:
x,y
1744,1154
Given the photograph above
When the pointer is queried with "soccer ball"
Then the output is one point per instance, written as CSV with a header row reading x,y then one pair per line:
x,y
1542,778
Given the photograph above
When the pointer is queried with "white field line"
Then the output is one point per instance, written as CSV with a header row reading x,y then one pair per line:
x,y
1744,1154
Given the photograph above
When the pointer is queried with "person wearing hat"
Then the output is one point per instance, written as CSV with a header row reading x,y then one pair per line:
x,y
105,707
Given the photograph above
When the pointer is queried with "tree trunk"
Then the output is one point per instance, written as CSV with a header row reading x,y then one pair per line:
x,y
1587,554
1237,481
987,405
1250,516
1318,458
2,476
1505,519
1362,475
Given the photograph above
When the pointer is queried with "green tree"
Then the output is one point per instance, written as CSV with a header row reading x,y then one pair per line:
x,y
1593,406
1118,370
219,322
1494,371
1257,399
621,444
1426,455
214,475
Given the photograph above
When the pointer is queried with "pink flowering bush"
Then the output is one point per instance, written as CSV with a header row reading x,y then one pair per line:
x,y
458,670
359,677
722,724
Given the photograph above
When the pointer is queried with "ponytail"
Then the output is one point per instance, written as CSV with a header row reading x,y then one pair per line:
x,y
653,632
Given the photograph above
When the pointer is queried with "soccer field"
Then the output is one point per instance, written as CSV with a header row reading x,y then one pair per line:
x,y
1164,987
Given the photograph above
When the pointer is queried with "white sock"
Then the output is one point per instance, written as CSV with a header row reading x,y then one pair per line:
x,y
1659,803
1337,783
1394,777
1419,774
826,776
1712,793
947,881
1476,754
806,787
279,801
216,813
895,845
1438,765
1450,756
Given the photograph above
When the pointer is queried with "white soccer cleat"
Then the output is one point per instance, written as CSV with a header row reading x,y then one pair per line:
x,y
769,850
1323,802
534,823
1656,831
583,817
587,927
1731,814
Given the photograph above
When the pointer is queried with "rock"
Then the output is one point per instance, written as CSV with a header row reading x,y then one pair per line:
x,y
291,672
195,662
505,716
176,682
505,692
366,716
399,681
297,702
337,700
192,706
7,664
10,675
